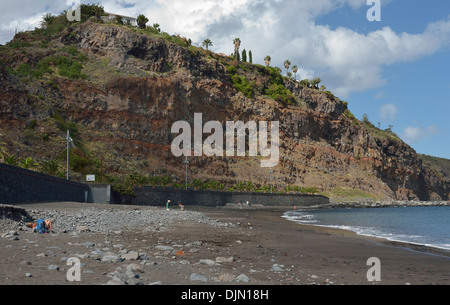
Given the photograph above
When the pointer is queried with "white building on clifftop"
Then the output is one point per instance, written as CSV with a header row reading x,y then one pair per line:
x,y
109,17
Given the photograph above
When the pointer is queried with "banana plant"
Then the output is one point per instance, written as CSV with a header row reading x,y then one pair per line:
x,y
28,163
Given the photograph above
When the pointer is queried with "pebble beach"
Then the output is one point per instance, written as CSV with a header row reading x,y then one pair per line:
x,y
131,245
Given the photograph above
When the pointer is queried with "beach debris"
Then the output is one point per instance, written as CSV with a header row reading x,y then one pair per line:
x,y
180,253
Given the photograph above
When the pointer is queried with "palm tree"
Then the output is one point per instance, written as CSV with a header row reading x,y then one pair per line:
x,y
241,186
287,64
237,45
156,26
206,43
47,20
212,185
264,188
249,186
142,21
267,59
2,149
295,70
315,82
197,183
10,159
154,180
28,163
50,166
166,180
97,11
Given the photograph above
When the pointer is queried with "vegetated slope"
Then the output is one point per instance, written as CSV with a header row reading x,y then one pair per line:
x,y
120,89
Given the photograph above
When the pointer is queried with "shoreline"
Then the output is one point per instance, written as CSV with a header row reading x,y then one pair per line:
x,y
427,259
420,248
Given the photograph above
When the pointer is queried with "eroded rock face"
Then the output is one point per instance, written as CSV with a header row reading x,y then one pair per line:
x,y
130,117
127,48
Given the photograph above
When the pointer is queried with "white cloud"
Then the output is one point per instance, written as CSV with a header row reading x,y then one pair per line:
x,y
414,134
380,95
346,61
388,112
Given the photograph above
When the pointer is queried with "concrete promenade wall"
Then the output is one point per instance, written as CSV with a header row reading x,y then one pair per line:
x,y
149,196
19,185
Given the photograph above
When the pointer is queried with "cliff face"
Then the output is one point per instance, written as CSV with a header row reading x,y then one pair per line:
x,y
136,86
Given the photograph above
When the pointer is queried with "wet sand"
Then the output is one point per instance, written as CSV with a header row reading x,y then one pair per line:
x,y
341,256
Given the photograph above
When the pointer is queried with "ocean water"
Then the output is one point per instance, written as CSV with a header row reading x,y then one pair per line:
x,y
427,226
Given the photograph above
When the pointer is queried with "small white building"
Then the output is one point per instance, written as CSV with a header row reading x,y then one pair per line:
x,y
109,17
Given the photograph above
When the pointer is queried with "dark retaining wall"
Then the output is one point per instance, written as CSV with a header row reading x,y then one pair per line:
x,y
18,185
158,197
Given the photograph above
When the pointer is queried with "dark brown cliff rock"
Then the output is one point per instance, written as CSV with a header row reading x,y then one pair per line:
x,y
145,83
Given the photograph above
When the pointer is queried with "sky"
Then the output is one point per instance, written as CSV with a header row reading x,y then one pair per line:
x,y
395,69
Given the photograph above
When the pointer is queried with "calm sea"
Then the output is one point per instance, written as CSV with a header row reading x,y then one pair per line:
x,y
428,226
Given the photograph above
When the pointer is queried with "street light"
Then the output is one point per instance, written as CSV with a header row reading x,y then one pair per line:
x,y
271,185
68,140
186,162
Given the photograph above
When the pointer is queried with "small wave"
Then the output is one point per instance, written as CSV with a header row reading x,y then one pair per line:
x,y
302,217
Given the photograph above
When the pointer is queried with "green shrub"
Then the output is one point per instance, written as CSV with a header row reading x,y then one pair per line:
x,y
68,67
71,70
18,44
71,49
64,125
350,115
280,94
330,95
24,70
242,85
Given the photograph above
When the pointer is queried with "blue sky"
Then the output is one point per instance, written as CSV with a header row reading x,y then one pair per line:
x,y
415,98
395,70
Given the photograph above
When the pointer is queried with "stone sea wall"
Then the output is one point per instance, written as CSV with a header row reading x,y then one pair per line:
x,y
19,185
158,197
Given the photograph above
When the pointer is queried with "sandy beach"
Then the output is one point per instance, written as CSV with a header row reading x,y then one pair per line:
x,y
235,247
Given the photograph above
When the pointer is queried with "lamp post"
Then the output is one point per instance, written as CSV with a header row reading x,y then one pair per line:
x,y
271,186
186,162
68,140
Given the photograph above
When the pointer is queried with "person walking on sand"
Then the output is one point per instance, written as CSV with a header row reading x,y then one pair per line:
x,y
167,204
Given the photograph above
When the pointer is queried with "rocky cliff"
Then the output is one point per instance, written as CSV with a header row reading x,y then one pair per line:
x,y
119,90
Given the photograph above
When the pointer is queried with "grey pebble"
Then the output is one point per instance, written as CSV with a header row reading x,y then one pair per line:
x,y
53,267
198,277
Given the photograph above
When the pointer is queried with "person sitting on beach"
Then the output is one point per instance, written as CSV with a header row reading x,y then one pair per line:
x,y
48,227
